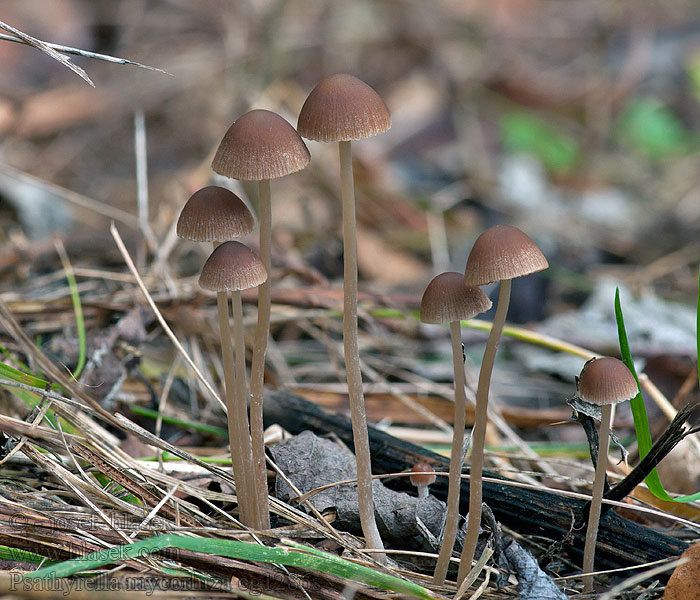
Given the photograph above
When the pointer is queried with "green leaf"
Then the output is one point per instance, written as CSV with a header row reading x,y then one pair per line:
x,y
652,129
522,132
639,413
298,556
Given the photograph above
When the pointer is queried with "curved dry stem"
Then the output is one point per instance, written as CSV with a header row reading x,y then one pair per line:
x,y
257,365
597,498
456,458
476,466
352,358
240,412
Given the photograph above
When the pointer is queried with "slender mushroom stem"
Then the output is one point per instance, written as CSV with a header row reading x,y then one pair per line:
x,y
456,459
236,440
596,498
352,357
479,432
257,366
240,412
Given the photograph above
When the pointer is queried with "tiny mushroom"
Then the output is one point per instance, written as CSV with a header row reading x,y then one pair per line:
x,y
422,477
603,382
259,146
501,253
215,214
684,583
342,108
448,300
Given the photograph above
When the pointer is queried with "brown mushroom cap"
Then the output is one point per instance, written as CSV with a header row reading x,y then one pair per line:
x,y
214,214
342,108
447,299
422,474
684,583
606,381
232,266
260,145
502,252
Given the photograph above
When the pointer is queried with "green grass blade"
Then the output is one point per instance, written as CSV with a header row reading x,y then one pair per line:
x,y
79,321
18,555
8,372
203,427
302,557
639,413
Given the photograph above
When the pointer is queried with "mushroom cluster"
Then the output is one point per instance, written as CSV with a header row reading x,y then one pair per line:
x,y
261,146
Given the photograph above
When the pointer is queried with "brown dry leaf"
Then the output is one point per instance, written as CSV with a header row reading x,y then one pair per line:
x,y
51,112
381,263
7,115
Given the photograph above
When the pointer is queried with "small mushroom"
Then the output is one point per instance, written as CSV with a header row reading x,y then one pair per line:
x,y
422,477
259,146
448,300
215,214
684,583
339,109
501,253
603,382
233,267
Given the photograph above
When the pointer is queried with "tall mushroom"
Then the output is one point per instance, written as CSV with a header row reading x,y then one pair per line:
x,y
215,214
448,300
341,108
603,382
259,146
501,253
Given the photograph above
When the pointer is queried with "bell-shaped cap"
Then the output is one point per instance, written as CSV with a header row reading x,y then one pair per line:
x,y
214,214
448,299
342,108
606,381
232,266
502,252
260,145
422,474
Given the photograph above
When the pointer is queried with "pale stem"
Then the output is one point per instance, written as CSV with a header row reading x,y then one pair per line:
x,y
352,358
235,440
596,497
241,406
257,365
456,458
476,466
422,491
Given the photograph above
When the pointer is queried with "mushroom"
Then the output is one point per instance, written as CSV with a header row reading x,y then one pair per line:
x,y
684,583
233,267
215,214
603,382
501,253
448,300
259,146
339,109
422,477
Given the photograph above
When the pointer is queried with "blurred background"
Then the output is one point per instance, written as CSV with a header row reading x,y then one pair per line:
x,y
578,122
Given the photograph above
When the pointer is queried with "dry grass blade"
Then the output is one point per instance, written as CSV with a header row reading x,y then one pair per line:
x,y
169,332
47,49
85,53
